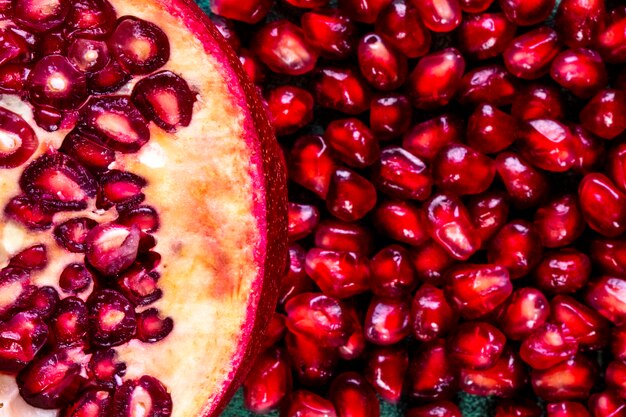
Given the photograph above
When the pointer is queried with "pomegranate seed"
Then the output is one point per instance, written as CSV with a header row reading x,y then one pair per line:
x,y
490,130
42,302
146,390
308,4
439,16
254,68
69,322
483,36
431,261
608,255
607,296
342,89
139,285
525,185
87,149
588,148
475,290
32,258
383,67
461,170
145,218
350,196
112,320
55,82
355,345
448,223
503,379
353,142
108,80
560,221
93,401
363,11
29,213
547,144
15,290
88,55
566,409
580,322
510,408
562,272
488,212
427,138
75,278
303,218
21,337
340,236
401,26
526,310
618,343
317,317
276,330
569,380
353,396
387,320
435,409
40,16
529,55
338,274
431,375
226,28
112,248
268,382
491,84
392,273
250,11
290,107
579,22
403,175
90,18
605,114
526,13
313,364
517,247
13,78
547,347
329,31
401,221
436,78
281,46
616,377
390,115
579,70
151,327
476,345
602,205
306,403
386,369
311,164
610,40
131,40
121,189
607,404
538,101
431,314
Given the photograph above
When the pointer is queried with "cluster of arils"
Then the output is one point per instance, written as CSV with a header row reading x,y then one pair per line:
x,y
67,59
458,203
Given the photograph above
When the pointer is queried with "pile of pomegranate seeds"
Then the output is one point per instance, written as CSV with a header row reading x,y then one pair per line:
x,y
458,203
68,60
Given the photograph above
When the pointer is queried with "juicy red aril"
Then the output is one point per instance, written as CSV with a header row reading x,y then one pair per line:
x,y
448,223
13,78
390,115
42,302
527,12
439,15
54,43
476,345
610,41
92,403
579,21
608,255
88,55
605,114
31,258
383,67
526,310
431,261
330,31
342,89
618,343
295,281
53,380
120,188
560,221
475,6
151,327
489,212
107,80
355,345
112,248
580,322
21,337
317,317
19,140
140,47
401,221
436,78
338,274
75,278
566,409
250,11
485,35
617,165
475,290
607,404
431,314
342,236
427,138
589,149
529,56
403,175
147,391
353,396
311,164
48,118
392,273
112,319
353,142
363,11
547,144
290,108
503,379
607,295
276,330
387,320
517,247
616,377
226,28
565,271
268,382
435,409
69,322
12,46
105,370
461,170
547,347
87,149
139,285
350,196
569,380
307,403
538,101
55,82
40,16
117,122
145,218
90,18
166,99
14,290
603,205
512,408
302,220
400,25
490,130
308,4
579,70
312,363
525,185
58,182
431,374
385,370
281,46
72,234
491,84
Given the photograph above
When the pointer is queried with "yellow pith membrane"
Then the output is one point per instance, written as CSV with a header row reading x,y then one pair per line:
x,y
200,179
